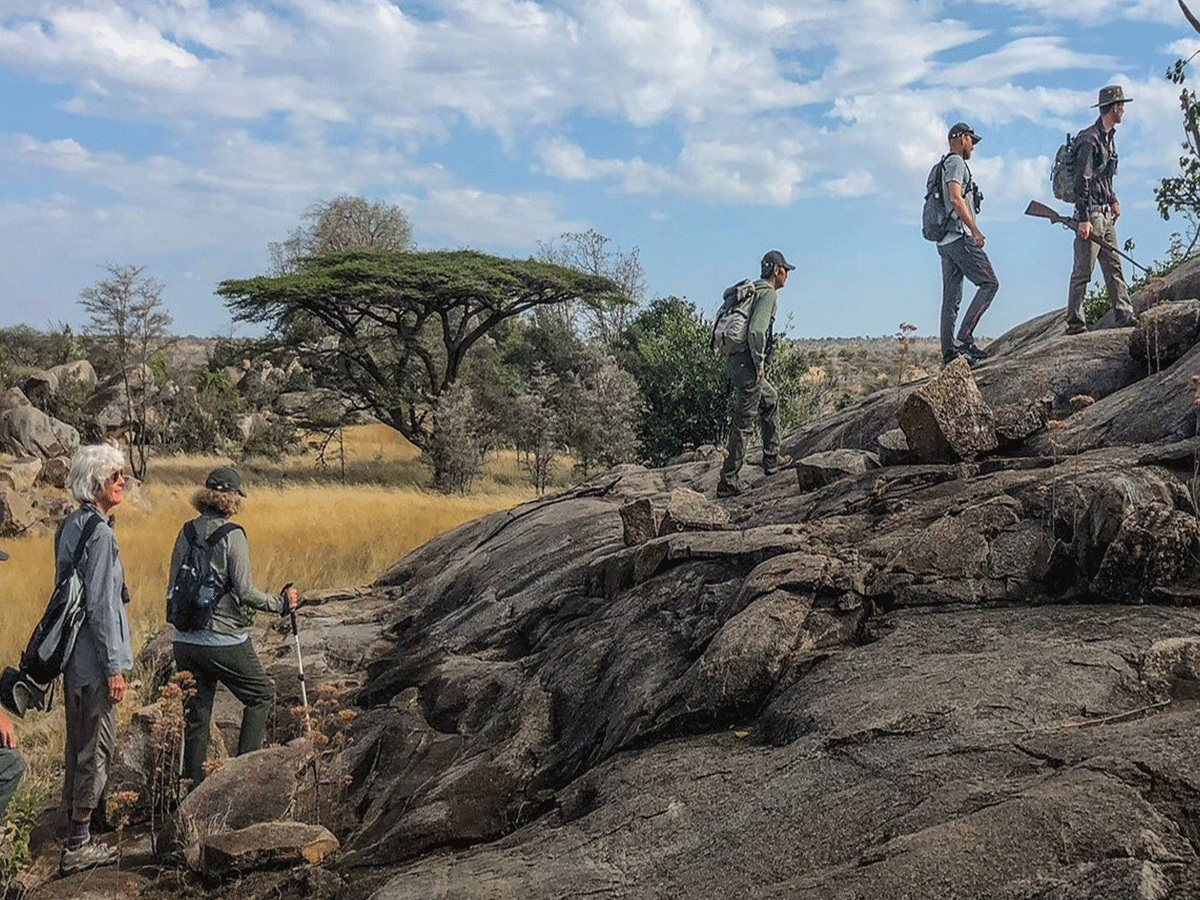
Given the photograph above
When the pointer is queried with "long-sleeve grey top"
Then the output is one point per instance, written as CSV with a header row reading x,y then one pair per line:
x,y
103,647
230,562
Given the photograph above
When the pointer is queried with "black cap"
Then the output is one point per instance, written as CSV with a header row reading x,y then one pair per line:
x,y
773,258
224,480
958,129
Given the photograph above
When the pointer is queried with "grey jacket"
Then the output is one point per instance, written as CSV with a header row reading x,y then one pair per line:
x,y
230,562
103,647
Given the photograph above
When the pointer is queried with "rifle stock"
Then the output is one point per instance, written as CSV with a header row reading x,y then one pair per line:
x,y
1042,211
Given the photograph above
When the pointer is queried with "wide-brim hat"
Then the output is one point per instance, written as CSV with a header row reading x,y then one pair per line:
x,y
1110,94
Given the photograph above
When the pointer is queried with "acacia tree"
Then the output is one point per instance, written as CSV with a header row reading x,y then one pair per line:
x,y
126,312
395,328
339,225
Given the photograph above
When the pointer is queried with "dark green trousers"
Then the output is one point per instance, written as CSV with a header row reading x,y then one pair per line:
x,y
237,668
753,401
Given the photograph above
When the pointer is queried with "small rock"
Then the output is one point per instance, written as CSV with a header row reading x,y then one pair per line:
x,y
266,845
641,520
688,510
894,449
947,419
819,469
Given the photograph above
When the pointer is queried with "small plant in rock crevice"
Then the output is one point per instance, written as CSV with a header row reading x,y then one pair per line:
x,y
167,785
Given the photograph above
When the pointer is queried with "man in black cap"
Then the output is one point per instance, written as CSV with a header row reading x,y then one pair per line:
x,y
752,393
1097,211
961,250
219,649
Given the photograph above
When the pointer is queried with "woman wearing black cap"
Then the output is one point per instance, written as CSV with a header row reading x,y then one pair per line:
x,y
220,650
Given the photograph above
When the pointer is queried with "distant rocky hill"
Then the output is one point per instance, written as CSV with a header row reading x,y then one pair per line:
x,y
952,653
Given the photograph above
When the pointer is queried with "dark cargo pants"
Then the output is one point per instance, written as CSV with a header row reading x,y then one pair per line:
x,y
752,399
238,668
962,259
12,767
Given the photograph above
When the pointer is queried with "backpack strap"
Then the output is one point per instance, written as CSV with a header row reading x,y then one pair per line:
x,y
86,535
213,539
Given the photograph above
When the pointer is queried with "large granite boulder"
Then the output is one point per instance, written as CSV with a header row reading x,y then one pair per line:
x,y
27,431
1165,333
947,418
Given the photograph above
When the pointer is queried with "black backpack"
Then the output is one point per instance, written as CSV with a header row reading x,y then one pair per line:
x,y
934,218
196,588
53,638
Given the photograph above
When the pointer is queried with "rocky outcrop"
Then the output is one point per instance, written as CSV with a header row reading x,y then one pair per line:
x,y
27,431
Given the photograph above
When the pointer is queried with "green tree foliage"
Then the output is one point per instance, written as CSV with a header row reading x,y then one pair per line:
x,y
394,330
682,382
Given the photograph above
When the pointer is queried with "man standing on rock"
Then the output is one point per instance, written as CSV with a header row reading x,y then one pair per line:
x,y
752,393
1097,211
961,250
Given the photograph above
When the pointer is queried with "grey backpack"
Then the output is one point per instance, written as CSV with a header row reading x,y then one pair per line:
x,y
1062,173
732,328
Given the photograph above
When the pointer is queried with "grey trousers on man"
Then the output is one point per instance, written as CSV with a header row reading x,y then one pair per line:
x,y
962,259
91,742
12,767
752,399
1086,254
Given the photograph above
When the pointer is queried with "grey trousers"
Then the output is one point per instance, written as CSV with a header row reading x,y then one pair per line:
x,y
752,400
91,742
12,767
1086,254
962,259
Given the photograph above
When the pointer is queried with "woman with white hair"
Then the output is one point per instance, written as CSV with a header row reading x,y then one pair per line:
x,y
94,676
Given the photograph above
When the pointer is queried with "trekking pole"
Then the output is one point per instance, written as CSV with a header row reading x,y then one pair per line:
x,y
299,662
1042,211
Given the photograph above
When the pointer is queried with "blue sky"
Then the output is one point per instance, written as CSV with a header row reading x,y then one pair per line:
x,y
185,135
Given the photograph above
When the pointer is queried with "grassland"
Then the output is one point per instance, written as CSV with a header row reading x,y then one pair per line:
x,y
303,523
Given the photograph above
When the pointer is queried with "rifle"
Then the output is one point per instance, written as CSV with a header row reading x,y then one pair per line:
x,y
1042,211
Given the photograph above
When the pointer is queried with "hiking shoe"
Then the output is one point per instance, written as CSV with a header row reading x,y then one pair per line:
x,y
1076,328
89,856
972,351
772,464
946,360
728,488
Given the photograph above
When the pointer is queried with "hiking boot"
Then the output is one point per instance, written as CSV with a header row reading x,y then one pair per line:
x,y
972,351
1076,328
946,360
728,488
772,464
89,856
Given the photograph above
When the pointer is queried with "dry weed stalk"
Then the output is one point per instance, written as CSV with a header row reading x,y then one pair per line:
x,y
167,784
329,732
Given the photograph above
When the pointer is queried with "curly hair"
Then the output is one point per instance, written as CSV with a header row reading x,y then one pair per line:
x,y
217,503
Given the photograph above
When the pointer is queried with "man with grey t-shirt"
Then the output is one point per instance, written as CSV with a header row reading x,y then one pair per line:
x,y
961,250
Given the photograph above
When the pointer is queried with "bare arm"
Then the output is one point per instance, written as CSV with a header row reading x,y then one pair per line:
x,y
965,214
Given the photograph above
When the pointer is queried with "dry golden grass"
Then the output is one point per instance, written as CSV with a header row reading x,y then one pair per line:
x,y
302,524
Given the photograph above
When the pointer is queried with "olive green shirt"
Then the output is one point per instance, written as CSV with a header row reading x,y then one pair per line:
x,y
762,320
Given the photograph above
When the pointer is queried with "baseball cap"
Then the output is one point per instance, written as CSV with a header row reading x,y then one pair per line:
x,y
958,129
225,480
774,258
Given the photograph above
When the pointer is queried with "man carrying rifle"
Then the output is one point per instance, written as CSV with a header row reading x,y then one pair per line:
x,y
1097,211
